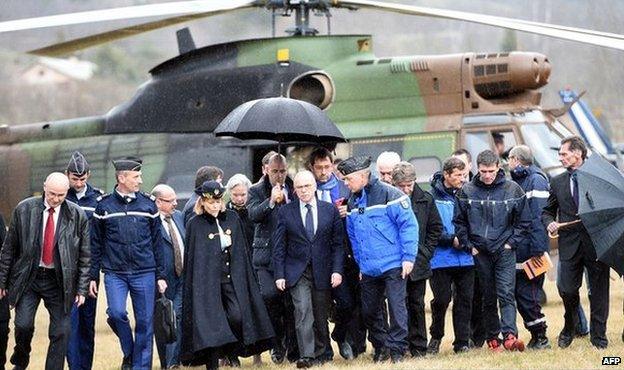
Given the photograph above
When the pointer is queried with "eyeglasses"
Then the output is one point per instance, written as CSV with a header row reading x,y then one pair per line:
x,y
305,186
168,200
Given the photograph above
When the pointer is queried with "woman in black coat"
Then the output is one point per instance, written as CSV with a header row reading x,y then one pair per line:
x,y
223,312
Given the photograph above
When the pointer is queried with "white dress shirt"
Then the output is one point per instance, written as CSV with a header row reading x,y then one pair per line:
x,y
55,217
176,231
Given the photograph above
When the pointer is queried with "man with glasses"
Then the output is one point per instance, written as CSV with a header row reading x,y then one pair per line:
x,y
308,260
172,253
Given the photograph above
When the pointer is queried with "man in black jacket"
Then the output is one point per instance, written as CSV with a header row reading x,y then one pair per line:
x,y
45,256
271,192
430,229
492,219
5,313
576,250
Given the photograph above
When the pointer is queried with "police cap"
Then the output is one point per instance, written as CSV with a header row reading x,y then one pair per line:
x,y
210,189
78,164
354,164
127,164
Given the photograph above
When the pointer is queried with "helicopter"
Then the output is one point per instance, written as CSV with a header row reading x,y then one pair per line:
x,y
422,107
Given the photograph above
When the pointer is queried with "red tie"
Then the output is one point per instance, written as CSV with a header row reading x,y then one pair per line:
x,y
48,239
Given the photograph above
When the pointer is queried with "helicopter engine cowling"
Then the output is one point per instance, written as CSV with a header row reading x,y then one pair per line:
x,y
502,74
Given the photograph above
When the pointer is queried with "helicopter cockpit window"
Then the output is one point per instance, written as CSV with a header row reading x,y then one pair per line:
x,y
561,129
425,167
503,142
544,144
476,142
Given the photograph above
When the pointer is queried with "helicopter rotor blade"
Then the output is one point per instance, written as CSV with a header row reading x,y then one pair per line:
x,y
181,8
605,39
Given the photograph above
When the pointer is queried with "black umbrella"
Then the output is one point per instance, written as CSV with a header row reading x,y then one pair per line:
x,y
601,209
279,119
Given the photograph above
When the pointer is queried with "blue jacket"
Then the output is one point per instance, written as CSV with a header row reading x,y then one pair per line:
x,y
293,250
167,254
127,236
382,228
88,202
445,255
535,184
488,216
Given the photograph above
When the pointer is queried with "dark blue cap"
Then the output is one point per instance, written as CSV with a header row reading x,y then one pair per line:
x,y
354,164
78,164
127,164
210,189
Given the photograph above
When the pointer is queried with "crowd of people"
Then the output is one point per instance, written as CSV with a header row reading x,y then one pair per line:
x,y
269,269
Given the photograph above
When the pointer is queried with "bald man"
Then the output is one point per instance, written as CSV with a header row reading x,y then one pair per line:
x,y
45,256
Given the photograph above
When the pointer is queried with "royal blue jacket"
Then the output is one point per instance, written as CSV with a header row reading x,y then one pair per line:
x,y
445,255
535,185
88,202
382,228
489,216
127,236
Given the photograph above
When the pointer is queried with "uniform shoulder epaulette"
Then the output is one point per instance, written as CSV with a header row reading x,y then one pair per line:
x,y
148,195
104,195
98,191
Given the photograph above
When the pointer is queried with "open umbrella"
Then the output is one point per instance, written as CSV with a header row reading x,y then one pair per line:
x,y
601,209
281,120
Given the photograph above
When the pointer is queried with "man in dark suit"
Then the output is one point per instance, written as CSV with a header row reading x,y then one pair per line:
x,y
307,258
576,250
45,256
172,255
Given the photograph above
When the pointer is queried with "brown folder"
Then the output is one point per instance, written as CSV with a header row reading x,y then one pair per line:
x,y
532,270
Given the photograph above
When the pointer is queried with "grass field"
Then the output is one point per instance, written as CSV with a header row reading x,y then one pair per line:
x,y
580,355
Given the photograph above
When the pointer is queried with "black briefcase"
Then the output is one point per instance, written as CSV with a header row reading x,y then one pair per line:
x,y
165,326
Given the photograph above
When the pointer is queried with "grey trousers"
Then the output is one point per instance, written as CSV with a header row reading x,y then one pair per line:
x,y
310,316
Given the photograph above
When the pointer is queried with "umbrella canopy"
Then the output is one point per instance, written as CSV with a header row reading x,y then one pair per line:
x,y
279,119
601,209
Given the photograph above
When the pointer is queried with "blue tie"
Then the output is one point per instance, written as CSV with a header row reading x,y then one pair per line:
x,y
575,192
309,222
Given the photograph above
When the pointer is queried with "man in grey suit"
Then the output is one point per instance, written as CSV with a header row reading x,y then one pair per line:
x,y
307,258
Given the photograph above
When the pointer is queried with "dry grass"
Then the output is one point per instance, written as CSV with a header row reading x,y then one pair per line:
x,y
580,355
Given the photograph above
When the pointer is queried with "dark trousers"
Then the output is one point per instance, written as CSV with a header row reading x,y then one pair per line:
x,y
349,325
82,337
568,284
310,316
528,301
5,317
279,306
142,290
374,289
45,287
169,353
417,326
497,275
477,327
445,282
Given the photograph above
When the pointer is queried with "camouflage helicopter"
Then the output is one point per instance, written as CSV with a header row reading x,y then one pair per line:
x,y
422,107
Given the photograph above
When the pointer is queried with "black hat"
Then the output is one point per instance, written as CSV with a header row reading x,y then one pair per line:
x,y
210,189
354,164
78,164
127,164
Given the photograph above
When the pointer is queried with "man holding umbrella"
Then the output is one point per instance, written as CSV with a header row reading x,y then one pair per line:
x,y
576,249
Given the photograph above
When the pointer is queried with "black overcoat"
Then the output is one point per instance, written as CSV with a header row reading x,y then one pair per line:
x,y
205,328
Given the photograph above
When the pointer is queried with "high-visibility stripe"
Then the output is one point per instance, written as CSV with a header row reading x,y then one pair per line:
x,y
398,200
535,322
124,214
92,209
537,194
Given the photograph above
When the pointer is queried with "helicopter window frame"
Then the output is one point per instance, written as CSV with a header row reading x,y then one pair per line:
x,y
488,131
423,177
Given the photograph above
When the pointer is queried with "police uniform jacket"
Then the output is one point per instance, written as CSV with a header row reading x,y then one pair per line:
x,y
382,228
208,265
127,236
88,202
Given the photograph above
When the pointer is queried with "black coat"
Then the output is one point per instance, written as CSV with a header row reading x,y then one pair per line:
x,y
205,328
21,251
248,225
429,230
265,219
560,206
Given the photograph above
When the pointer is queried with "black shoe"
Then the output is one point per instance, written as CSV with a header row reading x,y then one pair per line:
x,y
600,343
475,343
461,349
434,346
564,340
381,355
126,364
418,354
234,361
305,362
396,358
538,341
345,350
277,355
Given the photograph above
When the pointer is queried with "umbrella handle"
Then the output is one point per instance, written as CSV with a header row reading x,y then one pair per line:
x,y
555,235
589,200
